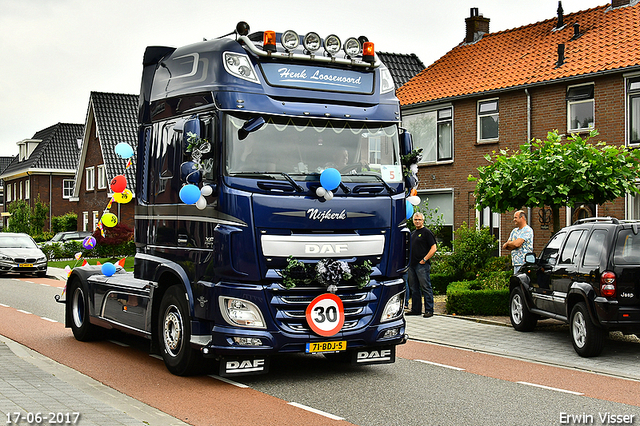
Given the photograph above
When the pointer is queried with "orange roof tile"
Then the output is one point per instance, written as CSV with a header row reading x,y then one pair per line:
x,y
609,40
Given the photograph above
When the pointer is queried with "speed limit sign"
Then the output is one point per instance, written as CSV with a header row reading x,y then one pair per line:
x,y
325,314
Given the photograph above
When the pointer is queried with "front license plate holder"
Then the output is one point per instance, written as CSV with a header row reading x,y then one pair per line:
x,y
25,265
326,347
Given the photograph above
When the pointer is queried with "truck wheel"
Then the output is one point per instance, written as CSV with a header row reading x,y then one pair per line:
x,y
521,318
587,339
78,311
174,334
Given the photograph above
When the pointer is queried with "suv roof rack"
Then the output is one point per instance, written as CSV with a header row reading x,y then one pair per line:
x,y
597,219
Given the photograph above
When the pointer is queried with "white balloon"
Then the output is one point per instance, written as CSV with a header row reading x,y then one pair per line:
x,y
320,192
328,196
201,204
206,190
414,200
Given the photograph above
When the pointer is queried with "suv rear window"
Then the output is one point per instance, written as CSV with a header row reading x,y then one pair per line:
x,y
627,248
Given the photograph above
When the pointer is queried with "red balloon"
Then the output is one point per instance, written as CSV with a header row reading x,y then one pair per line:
x,y
118,183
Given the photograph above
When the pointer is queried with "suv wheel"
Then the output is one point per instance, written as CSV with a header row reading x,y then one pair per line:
x,y
587,339
521,318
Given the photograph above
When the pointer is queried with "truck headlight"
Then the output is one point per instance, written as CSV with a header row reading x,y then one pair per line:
x,y
239,65
393,308
241,312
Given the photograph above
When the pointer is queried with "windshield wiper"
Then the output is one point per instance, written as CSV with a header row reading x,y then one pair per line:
x,y
263,175
293,183
389,189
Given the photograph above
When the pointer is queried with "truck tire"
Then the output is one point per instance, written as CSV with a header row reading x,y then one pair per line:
x,y
587,338
78,311
174,334
521,318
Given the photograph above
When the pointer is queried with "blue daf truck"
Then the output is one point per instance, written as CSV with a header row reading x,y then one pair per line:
x,y
270,207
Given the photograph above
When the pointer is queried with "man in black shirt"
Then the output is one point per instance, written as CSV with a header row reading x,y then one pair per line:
x,y
423,247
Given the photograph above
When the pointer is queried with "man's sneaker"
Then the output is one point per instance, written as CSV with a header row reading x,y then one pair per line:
x,y
428,314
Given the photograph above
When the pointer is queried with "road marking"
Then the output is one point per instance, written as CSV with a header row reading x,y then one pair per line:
x,y
231,382
24,312
441,365
550,388
4,306
48,319
313,410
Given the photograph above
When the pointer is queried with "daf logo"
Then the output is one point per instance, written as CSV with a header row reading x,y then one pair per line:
x,y
325,248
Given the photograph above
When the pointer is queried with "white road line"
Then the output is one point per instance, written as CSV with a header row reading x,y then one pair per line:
x,y
4,306
24,312
313,410
48,319
550,388
441,365
231,382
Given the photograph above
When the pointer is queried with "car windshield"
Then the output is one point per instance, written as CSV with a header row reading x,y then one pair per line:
x,y
307,146
17,241
57,237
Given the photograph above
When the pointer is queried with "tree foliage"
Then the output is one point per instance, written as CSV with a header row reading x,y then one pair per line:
x,y
556,174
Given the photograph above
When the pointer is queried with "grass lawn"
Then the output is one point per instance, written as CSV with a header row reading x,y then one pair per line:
x,y
128,263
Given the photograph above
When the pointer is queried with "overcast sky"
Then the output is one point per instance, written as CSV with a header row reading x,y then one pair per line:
x,y
55,52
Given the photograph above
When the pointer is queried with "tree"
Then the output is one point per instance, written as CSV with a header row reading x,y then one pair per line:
x,y
38,217
20,215
555,174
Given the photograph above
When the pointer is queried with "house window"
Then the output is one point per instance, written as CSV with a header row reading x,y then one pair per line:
x,y
95,220
633,90
67,188
21,194
91,178
433,132
488,120
375,155
440,205
27,189
102,177
8,186
580,108
85,221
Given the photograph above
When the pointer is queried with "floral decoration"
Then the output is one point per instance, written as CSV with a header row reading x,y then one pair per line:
x,y
327,272
410,162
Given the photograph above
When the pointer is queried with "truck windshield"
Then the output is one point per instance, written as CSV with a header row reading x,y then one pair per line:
x,y
364,151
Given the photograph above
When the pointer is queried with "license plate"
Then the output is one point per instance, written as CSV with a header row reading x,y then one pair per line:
x,y
317,347
26,265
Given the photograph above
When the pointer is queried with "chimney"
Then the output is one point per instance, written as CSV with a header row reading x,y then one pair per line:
x,y
576,31
560,55
618,3
560,23
477,26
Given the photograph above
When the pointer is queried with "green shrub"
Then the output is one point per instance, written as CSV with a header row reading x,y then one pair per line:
x,y
462,300
65,222
472,250
439,282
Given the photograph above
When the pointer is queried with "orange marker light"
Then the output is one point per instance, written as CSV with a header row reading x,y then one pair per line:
x,y
368,52
269,41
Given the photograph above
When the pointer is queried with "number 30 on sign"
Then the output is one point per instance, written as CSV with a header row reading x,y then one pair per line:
x,y
325,314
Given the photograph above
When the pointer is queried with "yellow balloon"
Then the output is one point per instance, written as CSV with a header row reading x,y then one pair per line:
x,y
109,219
123,197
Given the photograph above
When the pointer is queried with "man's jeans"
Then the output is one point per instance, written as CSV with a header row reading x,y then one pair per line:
x,y
420,284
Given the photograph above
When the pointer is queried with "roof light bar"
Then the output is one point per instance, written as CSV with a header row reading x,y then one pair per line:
x,y
352,47
290,40
332,44
312,42
269,41
368,52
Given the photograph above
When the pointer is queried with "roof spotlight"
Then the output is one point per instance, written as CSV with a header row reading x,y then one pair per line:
x,y
312,42
352,47
290,40
332,44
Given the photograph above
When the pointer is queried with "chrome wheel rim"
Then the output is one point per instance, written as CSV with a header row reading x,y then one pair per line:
x,y
517,309
579,329
173,330
77,307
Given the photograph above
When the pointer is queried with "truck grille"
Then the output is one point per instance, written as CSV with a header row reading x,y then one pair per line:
x,y
289,306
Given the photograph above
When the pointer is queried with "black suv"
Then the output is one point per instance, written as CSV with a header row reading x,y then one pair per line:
x,y
589,276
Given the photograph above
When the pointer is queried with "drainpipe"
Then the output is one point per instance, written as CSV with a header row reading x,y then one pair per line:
x,y
50,199
526,91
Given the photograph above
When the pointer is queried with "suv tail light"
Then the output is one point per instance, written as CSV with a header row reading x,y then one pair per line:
x,y
608,284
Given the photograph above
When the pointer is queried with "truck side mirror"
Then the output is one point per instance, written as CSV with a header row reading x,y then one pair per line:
x,y
406,142
250,126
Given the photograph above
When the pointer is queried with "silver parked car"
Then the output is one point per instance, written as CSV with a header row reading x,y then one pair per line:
x,y
19,253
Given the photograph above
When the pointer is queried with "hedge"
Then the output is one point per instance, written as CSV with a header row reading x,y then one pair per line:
x,y
439,282
68,249
461,300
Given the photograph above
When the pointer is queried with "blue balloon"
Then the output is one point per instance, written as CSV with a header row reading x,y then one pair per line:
x,y
330,179
108,269
409,209
190,194
124,150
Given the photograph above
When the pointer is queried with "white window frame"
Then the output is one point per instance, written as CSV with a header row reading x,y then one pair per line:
x,y
432,144
102,177
90,177
95,220
8,187
67,191
632,87
85,221
483,114
20,188
577,102
27,189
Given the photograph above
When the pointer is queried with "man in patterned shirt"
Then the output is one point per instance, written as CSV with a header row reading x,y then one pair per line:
x,y
520,240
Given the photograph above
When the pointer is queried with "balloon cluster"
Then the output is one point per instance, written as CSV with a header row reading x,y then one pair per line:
x,y
330,179
118,185
191,175
410,166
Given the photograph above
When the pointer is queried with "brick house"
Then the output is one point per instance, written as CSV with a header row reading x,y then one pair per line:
x,y
44,169
111,119
4,162
494,91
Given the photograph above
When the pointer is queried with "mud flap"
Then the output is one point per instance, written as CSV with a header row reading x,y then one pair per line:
x,y
378,355
233,367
